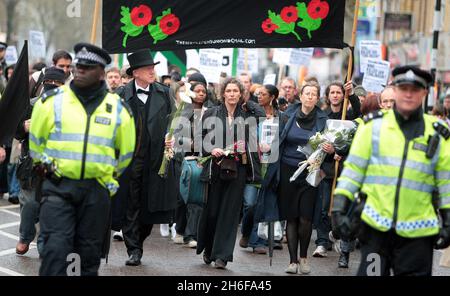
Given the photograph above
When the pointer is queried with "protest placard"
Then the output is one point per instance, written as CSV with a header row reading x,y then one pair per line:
x,y
368,49
11,55
376,75
37,44
210,64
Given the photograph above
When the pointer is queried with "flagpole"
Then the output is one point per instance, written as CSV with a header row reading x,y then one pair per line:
x,y
94,21
345,105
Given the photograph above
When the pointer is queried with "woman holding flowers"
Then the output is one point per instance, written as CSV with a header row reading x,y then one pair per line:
x,y
296,200
231,162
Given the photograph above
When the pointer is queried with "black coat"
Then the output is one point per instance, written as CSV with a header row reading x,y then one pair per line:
x,y
151,198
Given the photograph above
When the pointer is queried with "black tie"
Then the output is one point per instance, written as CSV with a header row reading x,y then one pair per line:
x,y
141,91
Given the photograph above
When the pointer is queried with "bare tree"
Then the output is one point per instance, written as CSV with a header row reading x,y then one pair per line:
x,y
9,8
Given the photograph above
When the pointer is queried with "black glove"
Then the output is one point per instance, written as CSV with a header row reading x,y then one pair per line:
x,y
341,224
443,239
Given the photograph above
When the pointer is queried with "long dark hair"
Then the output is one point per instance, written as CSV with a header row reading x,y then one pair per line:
x,y
328,89
273,91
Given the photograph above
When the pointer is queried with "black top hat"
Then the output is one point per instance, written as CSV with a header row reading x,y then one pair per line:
x,y
139,59
91,55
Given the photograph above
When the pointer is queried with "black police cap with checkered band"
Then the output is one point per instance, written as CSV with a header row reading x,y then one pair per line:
x,y
90,55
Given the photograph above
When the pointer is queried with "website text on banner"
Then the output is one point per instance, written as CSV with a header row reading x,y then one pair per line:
x,y
129,25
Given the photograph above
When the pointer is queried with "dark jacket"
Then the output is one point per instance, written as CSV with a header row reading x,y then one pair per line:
x,y
352,114
147,188
267,210
253,165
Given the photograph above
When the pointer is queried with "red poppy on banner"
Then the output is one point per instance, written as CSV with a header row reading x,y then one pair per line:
x,y
130,25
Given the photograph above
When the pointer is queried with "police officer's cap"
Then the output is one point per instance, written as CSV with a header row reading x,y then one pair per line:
x,y
3,45
90,55
412,75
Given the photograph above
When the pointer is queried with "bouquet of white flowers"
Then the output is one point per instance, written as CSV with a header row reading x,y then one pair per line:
x,y
337,132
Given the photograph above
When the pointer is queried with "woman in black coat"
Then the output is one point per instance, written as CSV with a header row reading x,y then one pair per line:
x,y
225,128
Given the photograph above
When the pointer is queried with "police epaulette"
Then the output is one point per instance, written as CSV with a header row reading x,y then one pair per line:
x,y
50,93
127,107
442,130
372,116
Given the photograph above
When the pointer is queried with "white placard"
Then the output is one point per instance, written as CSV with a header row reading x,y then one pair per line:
x,y
11,55
210,64
192,59
227,61
252,60
281,56
301,56
293,56
37,44
270,79
161,68
376,76
368,49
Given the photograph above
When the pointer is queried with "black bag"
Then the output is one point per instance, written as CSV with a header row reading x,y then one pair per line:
x,y
228,169
24,172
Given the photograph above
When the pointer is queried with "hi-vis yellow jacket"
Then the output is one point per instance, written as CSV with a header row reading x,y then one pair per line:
x,y
397,177
97,146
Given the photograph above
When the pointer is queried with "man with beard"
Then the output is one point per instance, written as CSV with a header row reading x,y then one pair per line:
x,y
61,59
113,79
82,137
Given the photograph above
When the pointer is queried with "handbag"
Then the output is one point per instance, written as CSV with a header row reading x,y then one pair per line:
x,y
228,169
263,230
191,187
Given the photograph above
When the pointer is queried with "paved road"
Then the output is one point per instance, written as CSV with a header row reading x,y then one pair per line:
x,y
163,257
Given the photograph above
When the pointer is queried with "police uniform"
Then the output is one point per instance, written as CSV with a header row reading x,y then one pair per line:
x,y
85,139
400,164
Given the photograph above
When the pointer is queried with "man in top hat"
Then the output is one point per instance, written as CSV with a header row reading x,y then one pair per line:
x,y
149,201
81,138
397,160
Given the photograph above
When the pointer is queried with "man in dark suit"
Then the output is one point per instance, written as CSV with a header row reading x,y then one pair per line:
x,y
146,193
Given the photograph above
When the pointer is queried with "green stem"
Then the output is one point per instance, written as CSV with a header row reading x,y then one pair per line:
x,y
309,34
124,42
296,35
165,161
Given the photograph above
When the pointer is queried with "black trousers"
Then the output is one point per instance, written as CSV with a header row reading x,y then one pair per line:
x,y
4,188
383,251
220,217
74,219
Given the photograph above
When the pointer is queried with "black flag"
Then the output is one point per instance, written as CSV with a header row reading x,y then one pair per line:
x,y
129,25
15,99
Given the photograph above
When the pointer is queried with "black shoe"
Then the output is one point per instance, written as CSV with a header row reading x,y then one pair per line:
x,y
277,245
206,258
134,260
220,264
343,260
14,200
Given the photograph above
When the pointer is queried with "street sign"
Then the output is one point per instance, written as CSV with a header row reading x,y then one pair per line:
x,y
397,21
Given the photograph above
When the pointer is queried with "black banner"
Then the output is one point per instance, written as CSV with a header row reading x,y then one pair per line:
x,y
15,98
129,25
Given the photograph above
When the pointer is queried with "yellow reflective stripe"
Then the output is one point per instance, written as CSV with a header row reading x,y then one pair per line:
x,y
96,158
59,137
358,161
406,183
351,174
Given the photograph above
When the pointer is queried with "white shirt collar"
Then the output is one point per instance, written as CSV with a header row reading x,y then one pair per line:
x,y
142,97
